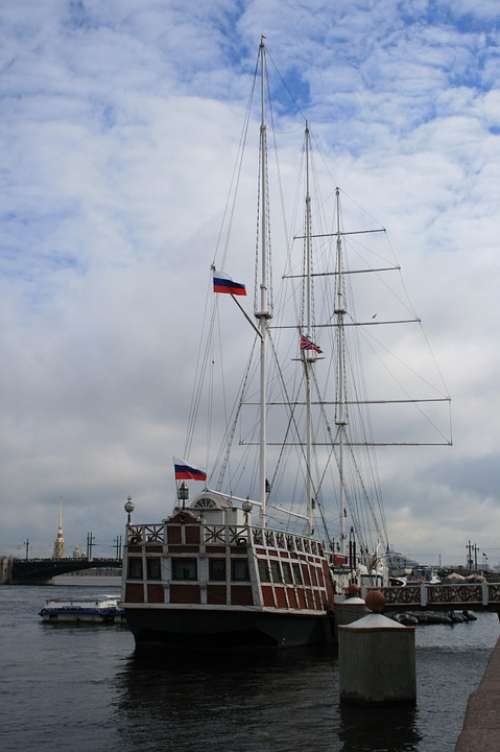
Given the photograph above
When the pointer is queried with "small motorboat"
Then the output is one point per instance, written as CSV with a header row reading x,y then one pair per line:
x,y
84,610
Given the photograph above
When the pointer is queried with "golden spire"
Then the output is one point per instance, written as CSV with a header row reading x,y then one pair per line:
x,y
59,541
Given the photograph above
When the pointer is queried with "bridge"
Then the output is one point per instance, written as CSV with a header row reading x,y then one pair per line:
x,y
480,596
41,571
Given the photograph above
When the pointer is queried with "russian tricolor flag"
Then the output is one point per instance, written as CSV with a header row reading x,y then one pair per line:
x,y
224,283
185,471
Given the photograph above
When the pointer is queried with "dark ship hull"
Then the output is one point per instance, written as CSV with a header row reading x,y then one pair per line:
x,y
219,629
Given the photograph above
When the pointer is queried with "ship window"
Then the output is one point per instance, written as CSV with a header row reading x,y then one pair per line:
x,y
239,570
205,503
264,571
184,569
297,574
287,573
217,569
153,568
276,571
134,568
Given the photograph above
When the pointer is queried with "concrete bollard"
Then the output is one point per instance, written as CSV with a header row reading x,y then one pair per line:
x,y
377,659
349,610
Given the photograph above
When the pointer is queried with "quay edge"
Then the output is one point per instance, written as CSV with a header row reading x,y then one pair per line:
x,y
481,728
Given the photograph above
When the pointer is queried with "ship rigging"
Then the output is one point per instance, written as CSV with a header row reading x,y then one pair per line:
x,y
302,404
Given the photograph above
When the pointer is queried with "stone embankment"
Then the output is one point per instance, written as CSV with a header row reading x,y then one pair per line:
x,y
481,729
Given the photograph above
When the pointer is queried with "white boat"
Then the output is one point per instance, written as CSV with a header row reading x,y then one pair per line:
x,y
244,568
82,610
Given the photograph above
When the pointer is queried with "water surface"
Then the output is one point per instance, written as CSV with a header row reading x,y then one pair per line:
x,y
83,688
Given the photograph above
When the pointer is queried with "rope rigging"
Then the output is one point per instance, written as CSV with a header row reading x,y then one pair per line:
x,y
304,468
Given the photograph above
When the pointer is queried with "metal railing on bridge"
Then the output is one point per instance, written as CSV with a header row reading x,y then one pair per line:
x,y
438,597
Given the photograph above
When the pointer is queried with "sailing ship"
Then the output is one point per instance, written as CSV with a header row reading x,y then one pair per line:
x,y
222,570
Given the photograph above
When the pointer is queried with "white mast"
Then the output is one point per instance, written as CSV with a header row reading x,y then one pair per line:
x,y
264,313
340,414
308,356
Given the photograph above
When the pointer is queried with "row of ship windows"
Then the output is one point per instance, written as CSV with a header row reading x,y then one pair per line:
x,y
281,572
187,569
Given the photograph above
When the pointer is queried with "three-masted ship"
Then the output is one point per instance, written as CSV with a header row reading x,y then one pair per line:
x,y
220,571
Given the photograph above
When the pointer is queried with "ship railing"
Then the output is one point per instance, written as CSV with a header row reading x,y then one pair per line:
x,y
285,541
154,533
231,535
444,595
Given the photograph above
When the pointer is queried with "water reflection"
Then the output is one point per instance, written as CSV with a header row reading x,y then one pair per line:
x,y
281,701
388,729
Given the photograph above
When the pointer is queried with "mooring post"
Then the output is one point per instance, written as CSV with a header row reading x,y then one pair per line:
x,y
423,595
377,658
484,593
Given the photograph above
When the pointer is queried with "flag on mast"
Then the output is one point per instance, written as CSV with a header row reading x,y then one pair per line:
x,y
185,471
307,344
224,283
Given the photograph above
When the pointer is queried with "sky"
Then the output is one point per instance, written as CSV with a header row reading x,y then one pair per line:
x,y
119,130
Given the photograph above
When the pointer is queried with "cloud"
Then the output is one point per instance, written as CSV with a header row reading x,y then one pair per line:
x,y
119,132
482,10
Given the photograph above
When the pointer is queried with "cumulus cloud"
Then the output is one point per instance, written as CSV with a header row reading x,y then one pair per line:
x,y
119,131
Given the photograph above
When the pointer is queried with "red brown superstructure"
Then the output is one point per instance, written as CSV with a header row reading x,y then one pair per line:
x,y
206,574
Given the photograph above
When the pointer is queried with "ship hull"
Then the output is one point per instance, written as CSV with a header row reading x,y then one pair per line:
x,y
214,629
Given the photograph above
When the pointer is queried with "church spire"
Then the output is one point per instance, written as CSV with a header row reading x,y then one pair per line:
x,y
59,541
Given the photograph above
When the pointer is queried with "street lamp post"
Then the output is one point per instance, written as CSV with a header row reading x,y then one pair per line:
x,y
129,508
183,494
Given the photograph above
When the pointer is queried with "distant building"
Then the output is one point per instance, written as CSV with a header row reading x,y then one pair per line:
x,y
398,563
59,541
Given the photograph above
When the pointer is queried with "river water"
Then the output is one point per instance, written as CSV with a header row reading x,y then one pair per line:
x,y
82,689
